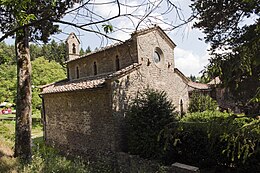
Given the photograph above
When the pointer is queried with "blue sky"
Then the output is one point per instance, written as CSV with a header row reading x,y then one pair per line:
x,y
190,54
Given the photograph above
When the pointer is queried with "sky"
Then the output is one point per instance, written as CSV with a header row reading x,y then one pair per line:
x,y
191,54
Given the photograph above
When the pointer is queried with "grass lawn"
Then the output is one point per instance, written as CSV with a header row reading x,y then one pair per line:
x,y
45,159
7,116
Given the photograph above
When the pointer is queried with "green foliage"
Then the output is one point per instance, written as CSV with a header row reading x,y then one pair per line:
x,y
204,116
210,139
200,102
7,54
107,28
81,52
228,28
54,52
192,78
47,160
37,14
44,72
7,83
6,131
88,50
149,113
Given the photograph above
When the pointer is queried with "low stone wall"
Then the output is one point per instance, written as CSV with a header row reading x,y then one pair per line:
x,y
133,164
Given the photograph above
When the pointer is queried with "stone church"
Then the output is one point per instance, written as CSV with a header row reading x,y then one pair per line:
x,y
85,112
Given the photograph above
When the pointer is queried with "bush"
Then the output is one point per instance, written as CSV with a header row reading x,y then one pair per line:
x,y
46,159
200,102
149,113
210,139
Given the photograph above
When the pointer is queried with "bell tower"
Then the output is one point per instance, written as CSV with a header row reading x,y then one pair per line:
x,y
72,44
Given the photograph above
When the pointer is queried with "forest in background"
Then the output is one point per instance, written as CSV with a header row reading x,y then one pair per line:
x,y
48,65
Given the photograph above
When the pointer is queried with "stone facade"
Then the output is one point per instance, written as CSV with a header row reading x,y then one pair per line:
x,y
85,113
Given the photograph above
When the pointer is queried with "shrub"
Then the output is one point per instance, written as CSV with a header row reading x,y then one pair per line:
x,y
149,113
46,159
209,139
200,102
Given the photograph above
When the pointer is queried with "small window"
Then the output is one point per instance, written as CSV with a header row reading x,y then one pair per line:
x,y
77,72
73,48
95,68
117,63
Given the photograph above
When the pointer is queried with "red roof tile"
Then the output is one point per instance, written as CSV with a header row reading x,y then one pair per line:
x,y
85,83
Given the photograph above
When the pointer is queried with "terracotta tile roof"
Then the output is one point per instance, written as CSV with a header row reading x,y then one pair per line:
x,y
66,86
138,32
193,85
100,50
200,86
87,82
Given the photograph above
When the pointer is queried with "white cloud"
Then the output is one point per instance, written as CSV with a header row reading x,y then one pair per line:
x,y
190,63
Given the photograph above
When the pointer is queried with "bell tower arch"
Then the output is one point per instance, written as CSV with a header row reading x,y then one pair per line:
x,y
72,44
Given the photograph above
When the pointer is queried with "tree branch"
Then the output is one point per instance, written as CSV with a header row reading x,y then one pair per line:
x,y
85,29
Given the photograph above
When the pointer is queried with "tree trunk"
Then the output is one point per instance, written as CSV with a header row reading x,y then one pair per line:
x,y
24,96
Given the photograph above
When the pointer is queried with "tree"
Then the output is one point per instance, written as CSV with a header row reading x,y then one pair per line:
x,y
29,21
35,51
235,46
200,102
81,52
54,52
44,72
7,54
192,78
88,50
148,115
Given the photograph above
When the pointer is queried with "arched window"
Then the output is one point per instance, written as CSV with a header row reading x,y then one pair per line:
x,y
95,68
181,108
77,72
117,63
73,48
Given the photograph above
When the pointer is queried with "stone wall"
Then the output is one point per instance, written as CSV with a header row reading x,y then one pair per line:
x,y
150,74
105,60
162,78
161,75
80,121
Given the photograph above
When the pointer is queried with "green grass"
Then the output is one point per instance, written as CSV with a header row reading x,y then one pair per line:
x,y
45,159
7,116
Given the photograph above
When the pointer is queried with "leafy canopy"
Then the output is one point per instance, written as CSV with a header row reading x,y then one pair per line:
x,y
44,72
233,30
7,82
200,102
37,15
